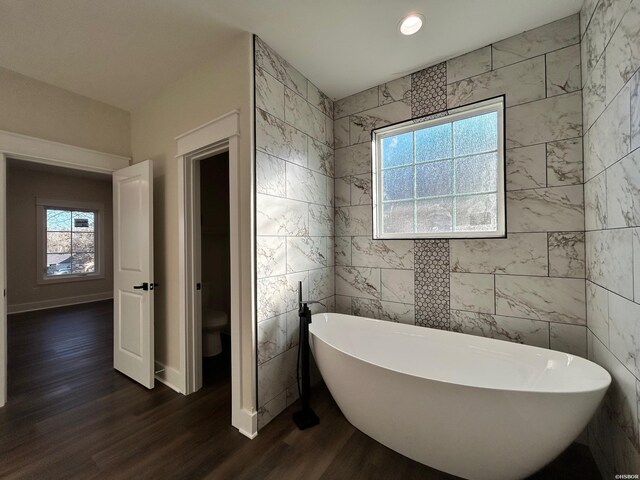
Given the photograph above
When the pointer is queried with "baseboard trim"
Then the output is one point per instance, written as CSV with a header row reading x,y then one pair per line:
x,y
58,302
247,423
168,376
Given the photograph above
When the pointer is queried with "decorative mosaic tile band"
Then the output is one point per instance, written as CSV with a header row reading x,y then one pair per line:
x,y
429,90
429,95
432,283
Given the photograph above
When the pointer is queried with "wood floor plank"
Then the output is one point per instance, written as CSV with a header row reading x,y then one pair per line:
x,y
71,416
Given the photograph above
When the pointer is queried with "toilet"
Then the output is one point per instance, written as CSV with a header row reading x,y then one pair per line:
x,y
213,323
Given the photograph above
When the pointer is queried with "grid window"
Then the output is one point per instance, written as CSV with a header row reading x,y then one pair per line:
x,y
441,178
70,242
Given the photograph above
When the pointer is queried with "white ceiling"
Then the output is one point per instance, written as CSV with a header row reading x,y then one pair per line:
x,y
123,52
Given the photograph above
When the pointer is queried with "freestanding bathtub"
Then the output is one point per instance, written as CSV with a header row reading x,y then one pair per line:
x,y
474,407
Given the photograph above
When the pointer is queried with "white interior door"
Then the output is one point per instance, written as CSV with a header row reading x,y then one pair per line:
x,y
133,352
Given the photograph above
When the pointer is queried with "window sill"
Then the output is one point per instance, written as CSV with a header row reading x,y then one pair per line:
x,y
69,278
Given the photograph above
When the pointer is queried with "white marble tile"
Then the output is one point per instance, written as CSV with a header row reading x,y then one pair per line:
x,y
281,216
626,457
278,295
553,299
381,310
361,189
342,191
306,185
319,100
267,59
362,123
595,38
595,202
398,90
382,253
299,113
598,312
272,337
569,339
554,118
623,192
356,220
397,286
269,94
322,285
469,64
320,220
567,254
306,253
564,162
546,209
358,282
636,265
610,260
518,330
271,410
270,174
271,256
293,329
521,82
531,43
276,375
329,131
341,132
518,254
343,305
473,292
343,252
275,137
594,94
608,139
635,111
624,331
356,103
623,52
588,6
331,193
353,160
321,158
526,167
563,71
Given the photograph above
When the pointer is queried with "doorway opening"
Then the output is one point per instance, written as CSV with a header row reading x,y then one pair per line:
x,y
59,243
213,265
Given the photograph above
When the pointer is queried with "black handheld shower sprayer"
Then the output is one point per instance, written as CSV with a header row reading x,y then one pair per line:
x,y
306,417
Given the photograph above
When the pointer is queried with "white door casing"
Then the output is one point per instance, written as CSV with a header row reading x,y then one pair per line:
x,y
133,348
3,282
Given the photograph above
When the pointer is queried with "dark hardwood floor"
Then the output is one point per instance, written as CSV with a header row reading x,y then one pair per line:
x,y
70,415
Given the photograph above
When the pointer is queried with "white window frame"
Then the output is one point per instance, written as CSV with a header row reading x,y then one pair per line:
x,y
496,104
42,204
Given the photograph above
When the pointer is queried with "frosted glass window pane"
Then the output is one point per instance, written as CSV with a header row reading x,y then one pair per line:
x,y
434,215
433,143
58,220
434,179
397,150
398,217
397,183
476,134
477,174
477,213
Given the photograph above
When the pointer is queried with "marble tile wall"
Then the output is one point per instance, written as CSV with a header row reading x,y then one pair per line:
x,y
294,217
610,49
527,288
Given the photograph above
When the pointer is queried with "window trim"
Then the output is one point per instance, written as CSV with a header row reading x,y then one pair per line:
x,y
495,104
41,228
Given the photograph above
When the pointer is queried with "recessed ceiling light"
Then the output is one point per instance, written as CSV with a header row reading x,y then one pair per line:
x,y
411,24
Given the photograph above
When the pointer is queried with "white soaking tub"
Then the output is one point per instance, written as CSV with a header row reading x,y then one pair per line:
x,y
474,407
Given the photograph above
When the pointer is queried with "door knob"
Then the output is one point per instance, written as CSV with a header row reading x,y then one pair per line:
x,y
144,286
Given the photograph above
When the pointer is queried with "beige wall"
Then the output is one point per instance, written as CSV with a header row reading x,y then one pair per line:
x,y
222,85
37,109
26,182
